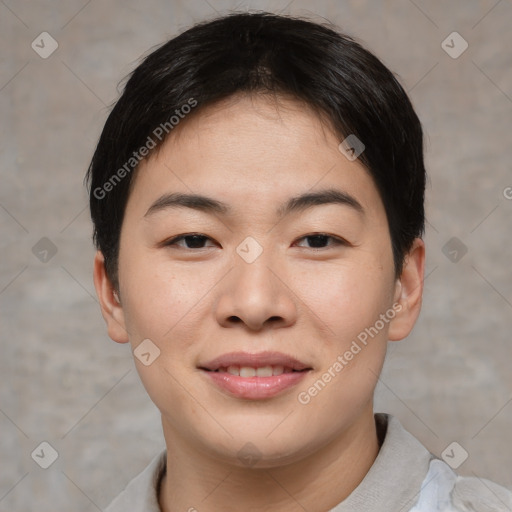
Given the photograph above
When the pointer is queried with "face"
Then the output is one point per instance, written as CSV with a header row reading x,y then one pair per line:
x,y
269,304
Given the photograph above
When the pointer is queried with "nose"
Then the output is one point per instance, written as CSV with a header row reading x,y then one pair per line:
x,y
258,296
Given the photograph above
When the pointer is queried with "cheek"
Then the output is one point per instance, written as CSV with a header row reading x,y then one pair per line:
x,y
166,302
162,303
349,298
352,350
153,295
345,297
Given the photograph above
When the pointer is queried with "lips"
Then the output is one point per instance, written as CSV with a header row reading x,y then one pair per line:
x,y
255,376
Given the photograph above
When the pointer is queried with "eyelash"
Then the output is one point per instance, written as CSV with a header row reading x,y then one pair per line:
x,y
337,240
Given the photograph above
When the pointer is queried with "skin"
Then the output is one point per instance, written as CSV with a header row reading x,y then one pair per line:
x,y
198,303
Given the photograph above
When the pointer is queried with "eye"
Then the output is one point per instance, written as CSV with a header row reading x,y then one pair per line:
x,y
318,240
197,241
191,240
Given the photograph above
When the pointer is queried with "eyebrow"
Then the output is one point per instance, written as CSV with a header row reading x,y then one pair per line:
x,y
295,204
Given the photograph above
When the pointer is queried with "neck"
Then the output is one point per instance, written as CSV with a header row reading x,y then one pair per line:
x,y
317,482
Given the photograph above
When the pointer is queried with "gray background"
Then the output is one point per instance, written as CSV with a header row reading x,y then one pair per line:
x,y
63,381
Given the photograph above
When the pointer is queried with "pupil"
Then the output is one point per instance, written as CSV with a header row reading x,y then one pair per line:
x,y
317,238
196,243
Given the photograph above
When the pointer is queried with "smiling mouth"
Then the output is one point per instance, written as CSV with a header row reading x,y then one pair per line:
x,y
255,376
262,371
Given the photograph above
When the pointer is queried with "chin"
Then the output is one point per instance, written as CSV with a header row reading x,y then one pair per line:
x,y
259,450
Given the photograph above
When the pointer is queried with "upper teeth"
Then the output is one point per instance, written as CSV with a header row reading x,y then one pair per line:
x,y
262,371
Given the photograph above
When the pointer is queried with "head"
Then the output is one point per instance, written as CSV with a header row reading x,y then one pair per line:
x,y
296,246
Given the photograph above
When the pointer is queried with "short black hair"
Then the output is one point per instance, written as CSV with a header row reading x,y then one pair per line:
x,y
263,53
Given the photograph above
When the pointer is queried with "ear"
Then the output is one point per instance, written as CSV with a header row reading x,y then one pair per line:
x,y
111,308
408,292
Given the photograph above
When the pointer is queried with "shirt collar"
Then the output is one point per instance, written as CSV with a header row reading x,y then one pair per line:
x,y
394,481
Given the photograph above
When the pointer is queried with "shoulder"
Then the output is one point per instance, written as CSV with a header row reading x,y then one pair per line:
x,y
141,493
445,491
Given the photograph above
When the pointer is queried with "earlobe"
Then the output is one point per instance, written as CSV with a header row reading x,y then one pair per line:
x,y
408,292
110,304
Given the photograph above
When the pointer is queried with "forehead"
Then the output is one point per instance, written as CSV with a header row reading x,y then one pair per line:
x,y
253,153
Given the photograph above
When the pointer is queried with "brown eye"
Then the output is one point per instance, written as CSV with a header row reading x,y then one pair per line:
x,y
191,241
320,240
